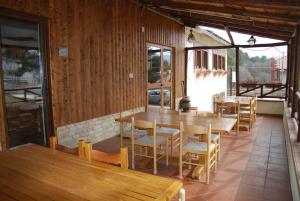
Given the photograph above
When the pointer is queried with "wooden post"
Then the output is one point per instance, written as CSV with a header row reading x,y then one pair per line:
x,y
81,146
237,71
124,158
88,150
53,142
296,70
180,150
185,72
288,76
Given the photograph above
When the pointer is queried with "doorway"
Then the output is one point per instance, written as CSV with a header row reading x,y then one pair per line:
x,y
160,77
24,81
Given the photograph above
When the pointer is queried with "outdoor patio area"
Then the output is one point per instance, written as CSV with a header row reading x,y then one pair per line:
x,y
253,166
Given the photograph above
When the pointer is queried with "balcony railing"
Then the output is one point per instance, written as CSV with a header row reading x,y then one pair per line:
x,y
268,90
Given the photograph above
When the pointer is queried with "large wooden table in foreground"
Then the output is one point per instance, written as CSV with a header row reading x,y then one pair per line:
x,y
32,172
218,124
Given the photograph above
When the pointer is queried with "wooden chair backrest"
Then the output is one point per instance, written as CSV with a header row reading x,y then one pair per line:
x,y
203,132
53,142
120,159
150,126
166,111
141,124
205,114
231,107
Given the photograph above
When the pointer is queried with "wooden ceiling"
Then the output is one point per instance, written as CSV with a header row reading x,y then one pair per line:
x,y
266,18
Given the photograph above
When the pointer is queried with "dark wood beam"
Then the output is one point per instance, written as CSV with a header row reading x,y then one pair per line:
x,y
237,71
226,10
229,35
240,46
280,5
228,20
240,30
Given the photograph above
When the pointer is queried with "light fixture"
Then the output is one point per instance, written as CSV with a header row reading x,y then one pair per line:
x,y
191,38
252,40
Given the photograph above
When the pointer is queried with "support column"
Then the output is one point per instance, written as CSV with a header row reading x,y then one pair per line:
x,y
237,71
296,70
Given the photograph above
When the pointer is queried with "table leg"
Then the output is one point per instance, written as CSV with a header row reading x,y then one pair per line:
x,y
121,134
181,194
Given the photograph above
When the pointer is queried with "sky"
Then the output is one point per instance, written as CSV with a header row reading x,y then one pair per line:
x,y
241,39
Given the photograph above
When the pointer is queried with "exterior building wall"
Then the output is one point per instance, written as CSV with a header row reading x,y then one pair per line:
x,y
201,89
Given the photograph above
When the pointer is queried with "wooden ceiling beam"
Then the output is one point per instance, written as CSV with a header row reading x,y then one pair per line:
x,y
294,6
224,20
229,35
244,27
189,7
237,29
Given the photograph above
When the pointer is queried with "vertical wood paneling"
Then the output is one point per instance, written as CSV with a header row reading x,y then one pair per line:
x,y
105,44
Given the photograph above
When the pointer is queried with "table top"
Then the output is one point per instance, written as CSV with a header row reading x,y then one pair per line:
x,y
233,99
32,172
218,124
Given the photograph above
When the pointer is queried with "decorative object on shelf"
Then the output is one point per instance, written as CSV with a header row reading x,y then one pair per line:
x,y
185,102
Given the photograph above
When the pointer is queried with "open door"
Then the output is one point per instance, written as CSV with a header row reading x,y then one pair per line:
x,y
24,82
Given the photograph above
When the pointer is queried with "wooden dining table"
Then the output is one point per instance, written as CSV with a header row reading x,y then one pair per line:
x,y
218,124
32,172
243,100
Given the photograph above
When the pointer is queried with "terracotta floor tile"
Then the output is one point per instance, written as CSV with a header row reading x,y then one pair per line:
x,y
277,195
253,180
253,166
277,183
217,196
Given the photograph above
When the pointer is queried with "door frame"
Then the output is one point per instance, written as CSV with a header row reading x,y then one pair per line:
x,y
44,48
172,101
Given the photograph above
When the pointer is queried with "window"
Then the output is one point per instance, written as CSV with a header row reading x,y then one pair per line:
x,y
223,63
215,61
201,59
198,58
205,59
218,62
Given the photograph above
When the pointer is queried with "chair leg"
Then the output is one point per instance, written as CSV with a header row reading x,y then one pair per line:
x,y
172,146
132,154
154,160
167,152
190,160
207,169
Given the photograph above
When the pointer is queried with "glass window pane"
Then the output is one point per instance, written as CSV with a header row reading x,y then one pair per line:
x,y
22,78
167,67
154,60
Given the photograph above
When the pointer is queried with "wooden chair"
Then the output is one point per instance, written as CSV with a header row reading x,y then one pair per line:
x,y
126,132
231,110
170,133
247,114
53,142
254,108
150,141
215,137
192,152
120,159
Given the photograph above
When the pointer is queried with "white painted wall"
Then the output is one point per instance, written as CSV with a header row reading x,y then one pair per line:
x,y
269,107
201,89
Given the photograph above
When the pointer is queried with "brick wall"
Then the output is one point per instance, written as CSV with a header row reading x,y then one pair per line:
x,y
93,130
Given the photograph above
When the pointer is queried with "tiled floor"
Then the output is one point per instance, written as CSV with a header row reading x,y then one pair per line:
x,y
253,166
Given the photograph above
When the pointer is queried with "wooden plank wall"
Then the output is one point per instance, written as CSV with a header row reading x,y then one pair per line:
x,y
106,43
